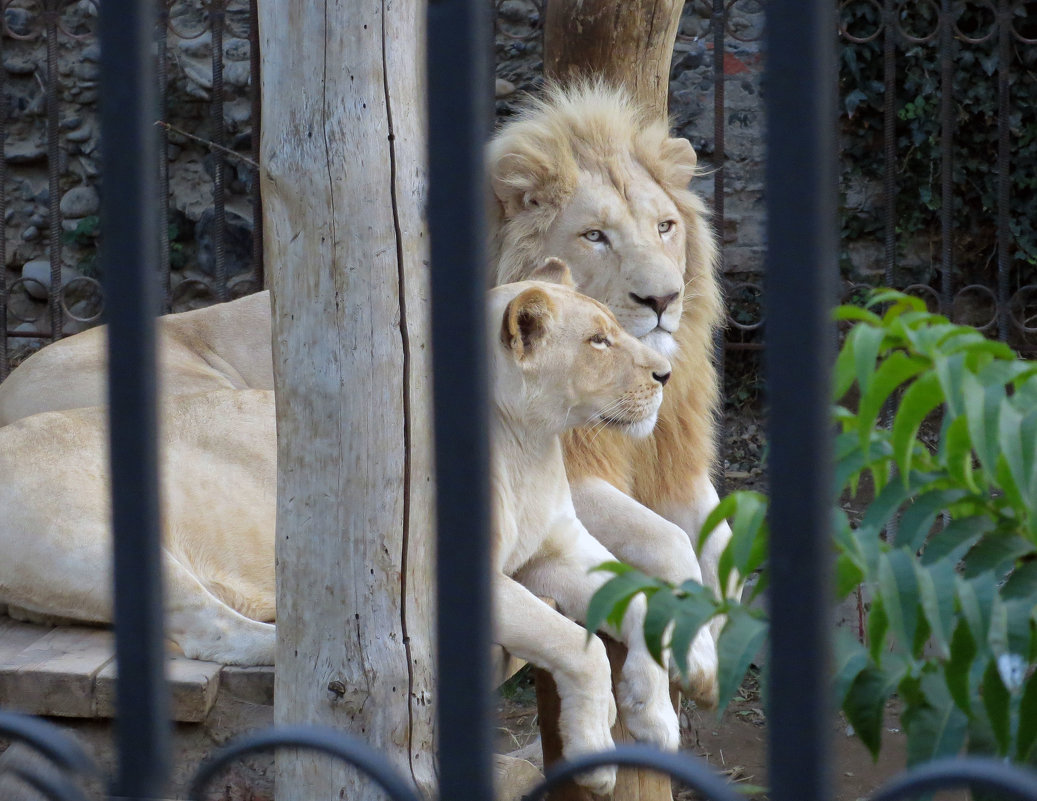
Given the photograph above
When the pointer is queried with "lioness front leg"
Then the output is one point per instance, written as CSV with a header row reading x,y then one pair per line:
x,y
530,629
657,547
690,514
643,689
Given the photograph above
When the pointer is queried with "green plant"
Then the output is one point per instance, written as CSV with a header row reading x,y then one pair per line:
x,y
952,625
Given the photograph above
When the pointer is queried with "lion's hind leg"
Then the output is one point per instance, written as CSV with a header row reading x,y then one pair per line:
x,y
206,628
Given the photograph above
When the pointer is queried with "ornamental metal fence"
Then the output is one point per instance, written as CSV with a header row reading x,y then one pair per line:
x,y
801,287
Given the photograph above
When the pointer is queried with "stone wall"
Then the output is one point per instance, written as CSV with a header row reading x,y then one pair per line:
x,y
189,87
188,112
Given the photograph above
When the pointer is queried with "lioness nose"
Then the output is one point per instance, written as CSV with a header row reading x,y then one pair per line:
x,y
655,302
662,378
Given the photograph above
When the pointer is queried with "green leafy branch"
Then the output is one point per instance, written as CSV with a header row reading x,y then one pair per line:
x,y
946,551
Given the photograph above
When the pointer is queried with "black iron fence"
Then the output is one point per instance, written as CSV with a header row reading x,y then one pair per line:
x,y
208,133
801,288
954,226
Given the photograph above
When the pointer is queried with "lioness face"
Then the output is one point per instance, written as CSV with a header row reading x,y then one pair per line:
x,y
576,365
624,240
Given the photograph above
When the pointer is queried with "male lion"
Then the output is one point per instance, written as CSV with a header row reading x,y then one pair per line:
x,y
562,360
226,346
585,175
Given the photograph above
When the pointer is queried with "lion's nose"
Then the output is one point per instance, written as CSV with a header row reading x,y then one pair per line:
x,y
656,303
662,378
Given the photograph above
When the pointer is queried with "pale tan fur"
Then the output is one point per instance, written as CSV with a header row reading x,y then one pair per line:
x,y
226,346
585,158
218,485
562,360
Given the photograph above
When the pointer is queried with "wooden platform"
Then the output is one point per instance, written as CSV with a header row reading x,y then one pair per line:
x,y
69,672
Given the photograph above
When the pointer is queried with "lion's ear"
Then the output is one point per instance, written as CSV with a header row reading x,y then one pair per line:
x,y
679,160
515,179
525,321
554,271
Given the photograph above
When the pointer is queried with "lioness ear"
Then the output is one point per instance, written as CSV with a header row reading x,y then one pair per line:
x,y
525,321
554,271
680,161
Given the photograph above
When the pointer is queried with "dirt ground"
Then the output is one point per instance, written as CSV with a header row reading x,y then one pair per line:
x,y
736,743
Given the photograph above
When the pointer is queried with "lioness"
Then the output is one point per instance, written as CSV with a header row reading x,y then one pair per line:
x,y
218,471
562,360
226,346
586,175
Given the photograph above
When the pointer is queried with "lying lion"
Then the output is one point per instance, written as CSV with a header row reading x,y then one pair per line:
x,y
226,346
218,546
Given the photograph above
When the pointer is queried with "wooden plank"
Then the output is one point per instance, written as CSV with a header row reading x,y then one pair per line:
x,y
55,675
16,636
193,687
253,685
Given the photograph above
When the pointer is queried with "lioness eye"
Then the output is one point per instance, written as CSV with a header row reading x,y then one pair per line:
x,y
666,226
601,341
594,235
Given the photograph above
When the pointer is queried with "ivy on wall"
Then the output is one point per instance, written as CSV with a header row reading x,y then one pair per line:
x,y
918,154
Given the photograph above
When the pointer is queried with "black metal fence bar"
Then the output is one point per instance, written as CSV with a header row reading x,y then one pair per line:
x,y
889,137
459,121
52,10
1004,178
217,18
129,257
800,273
3,216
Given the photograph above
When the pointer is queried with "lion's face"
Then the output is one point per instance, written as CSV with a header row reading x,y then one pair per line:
x,y
565,361
624,240
586,176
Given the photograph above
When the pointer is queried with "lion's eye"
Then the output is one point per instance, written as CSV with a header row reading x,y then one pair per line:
x,y
595,235
600,341
666,226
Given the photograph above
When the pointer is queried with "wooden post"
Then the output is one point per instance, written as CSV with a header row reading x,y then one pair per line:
x,y
628,42
631,784
343,183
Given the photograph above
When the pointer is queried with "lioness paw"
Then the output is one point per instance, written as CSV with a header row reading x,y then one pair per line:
x,y
646,707
700,683
600,781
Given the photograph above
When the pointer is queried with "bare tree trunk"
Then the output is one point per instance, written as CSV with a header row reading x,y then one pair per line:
x,y
343,183
628,42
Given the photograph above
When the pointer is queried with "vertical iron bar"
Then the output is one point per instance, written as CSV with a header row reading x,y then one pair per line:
x,y
217,15
719,22
459,122
1004,176
801,267
257,110
889,185
946,157
52,10
889,137
3,215
163,159
130,257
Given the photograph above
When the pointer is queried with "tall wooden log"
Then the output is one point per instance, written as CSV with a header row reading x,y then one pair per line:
x,y
343,183
628,42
